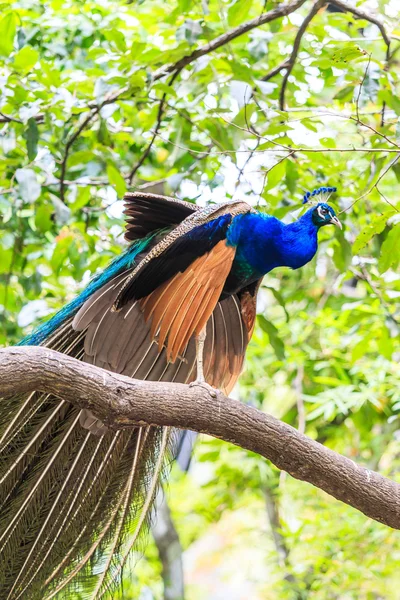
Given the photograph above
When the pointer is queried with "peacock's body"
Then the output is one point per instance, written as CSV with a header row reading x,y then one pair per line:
x,y
70,490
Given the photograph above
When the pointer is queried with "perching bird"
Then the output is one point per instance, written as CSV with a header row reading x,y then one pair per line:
x,y
73,495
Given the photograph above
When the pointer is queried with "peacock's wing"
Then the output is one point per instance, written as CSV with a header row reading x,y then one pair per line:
x,y
181,279
146,213
194,237
73,504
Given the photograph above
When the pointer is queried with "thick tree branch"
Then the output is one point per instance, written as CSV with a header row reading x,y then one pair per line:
x,y
289,63
122,402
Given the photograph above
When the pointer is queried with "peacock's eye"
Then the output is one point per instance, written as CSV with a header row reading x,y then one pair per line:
x,y
322,211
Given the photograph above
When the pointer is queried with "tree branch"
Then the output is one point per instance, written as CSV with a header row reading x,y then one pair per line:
x,y
366,16
282,10
160,114
175,68
121,402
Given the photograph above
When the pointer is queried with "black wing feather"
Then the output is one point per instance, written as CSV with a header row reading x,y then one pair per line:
x,y
147,212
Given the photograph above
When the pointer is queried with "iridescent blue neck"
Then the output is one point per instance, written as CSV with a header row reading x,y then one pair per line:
x,y
264,242
299,241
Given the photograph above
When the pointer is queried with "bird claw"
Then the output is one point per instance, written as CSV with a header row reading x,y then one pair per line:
x,y
206,386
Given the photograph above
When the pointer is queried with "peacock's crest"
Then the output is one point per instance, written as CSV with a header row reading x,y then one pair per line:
x,y
323,193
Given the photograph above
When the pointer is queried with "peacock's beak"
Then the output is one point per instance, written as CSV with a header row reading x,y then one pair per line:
x,y
335,221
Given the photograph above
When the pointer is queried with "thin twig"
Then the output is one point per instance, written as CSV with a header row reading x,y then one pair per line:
x,y
246,162
361,86
365,276
296,46
284,65
386,199
375,21
279,11
382,175
9,119
175,68
283,147
361,14
68,146
155,132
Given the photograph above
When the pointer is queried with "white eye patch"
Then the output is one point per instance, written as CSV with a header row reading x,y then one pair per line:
x,y
322,212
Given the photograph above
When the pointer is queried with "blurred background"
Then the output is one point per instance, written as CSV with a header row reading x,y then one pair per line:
x,y
94,103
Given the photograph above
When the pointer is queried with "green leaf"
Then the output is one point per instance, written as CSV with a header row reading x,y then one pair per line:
x,y
238,12
116,179
242,72
396,171
189,31
116,37
377,226
273,335
82,198
25,59
390,250
165,88
5,260
346,53
8,28
292,175
29,187
391,100
345,93
32,137
137,49
341,253
43,217
275,176
279,298
328,142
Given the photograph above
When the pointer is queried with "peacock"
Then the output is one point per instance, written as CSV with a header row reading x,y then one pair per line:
x,y
178,305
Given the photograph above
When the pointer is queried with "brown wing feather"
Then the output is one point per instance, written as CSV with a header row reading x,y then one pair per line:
x,y
183,306
248,306
129,348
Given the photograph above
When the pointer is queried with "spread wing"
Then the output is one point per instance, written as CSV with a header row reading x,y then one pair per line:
x,y
194,237
147,212
181,279
123,342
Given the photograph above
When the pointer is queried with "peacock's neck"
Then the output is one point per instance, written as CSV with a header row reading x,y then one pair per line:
x,y
264,243
299,242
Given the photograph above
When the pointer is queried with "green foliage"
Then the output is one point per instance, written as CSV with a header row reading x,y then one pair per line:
x,y
81,92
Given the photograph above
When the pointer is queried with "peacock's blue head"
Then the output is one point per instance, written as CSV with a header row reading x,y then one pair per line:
x,y
322,214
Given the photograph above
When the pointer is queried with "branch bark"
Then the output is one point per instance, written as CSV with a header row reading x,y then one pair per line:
x,y
122,402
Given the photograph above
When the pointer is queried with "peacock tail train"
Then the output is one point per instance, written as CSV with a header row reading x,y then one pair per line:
x,y
75,497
